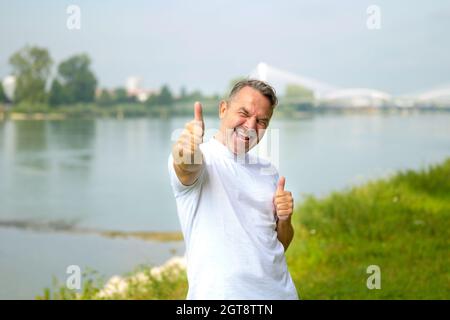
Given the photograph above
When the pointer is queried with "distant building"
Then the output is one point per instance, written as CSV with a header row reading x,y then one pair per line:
x,y
134,89
9,86
133,84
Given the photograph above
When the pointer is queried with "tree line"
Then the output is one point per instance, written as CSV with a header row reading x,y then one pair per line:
x,y
73,83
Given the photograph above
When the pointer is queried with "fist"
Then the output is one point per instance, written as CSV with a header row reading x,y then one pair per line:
x,y
186,150
283,201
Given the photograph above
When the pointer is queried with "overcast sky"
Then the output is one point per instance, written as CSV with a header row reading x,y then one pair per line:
x,y
203,44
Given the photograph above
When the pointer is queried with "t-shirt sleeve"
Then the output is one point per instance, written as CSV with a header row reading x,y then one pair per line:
x,y
276,177
178,188
187,198
273,171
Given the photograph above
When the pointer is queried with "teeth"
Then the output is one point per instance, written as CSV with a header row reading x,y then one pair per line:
x,y
242,135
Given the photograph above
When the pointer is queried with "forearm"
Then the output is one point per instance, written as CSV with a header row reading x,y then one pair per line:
x,y
189,170
285,232
188,175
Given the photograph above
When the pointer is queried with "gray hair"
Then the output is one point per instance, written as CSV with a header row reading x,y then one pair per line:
x,y
264,88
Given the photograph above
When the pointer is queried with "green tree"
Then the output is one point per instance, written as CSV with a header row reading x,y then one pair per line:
x,y
105,99
78,81
183,94
196,95
121,96
56,95
31,66
3,98
153,99
298,98
165,97
297,92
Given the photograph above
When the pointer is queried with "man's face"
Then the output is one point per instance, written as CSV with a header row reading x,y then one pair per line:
x,y
244,119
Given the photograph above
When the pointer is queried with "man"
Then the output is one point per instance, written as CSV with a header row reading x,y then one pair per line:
x,y
235,214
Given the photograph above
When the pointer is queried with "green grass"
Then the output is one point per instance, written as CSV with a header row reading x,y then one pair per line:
x,y
400,224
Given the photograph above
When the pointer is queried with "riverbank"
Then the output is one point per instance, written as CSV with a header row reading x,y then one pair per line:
x,y
135,110
71,228
400,224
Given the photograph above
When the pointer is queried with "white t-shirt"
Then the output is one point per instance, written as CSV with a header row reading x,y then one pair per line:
x,y
228,223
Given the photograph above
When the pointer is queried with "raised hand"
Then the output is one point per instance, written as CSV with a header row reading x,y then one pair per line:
x,y
283,201
186,151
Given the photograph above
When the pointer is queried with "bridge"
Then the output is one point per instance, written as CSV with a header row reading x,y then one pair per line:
x,y
332,95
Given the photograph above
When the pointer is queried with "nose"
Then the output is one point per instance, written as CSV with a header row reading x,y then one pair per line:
x,y
251,123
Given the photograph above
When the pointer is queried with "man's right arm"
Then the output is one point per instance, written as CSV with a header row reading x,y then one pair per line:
x,y
186,153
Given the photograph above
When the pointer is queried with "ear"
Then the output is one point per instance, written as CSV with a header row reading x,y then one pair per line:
x,y
223,106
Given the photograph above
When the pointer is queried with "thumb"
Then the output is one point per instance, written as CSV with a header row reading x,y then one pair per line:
x,y
281,183
198,112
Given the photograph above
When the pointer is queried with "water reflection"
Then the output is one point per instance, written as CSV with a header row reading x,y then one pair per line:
x,y
105,174
112,174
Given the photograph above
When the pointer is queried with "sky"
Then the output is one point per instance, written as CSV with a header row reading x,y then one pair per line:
x,y
203,44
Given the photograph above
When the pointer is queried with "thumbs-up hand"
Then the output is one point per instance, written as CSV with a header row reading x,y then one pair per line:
x,y
283,201
198,115
186,150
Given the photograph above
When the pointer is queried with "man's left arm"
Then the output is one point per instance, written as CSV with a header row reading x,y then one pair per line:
x,y
284,207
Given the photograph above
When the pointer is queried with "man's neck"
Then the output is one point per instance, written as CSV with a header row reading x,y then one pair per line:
x,y
219,137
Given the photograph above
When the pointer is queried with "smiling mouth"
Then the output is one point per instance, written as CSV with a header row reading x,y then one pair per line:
x,y
242,136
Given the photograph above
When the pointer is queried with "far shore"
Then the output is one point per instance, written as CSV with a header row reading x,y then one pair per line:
x,y
141,111
67,227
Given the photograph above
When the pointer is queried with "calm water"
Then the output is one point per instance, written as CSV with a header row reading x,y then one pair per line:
x,y
112,175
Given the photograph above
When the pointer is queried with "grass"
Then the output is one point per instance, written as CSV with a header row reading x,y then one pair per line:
x,y
400,224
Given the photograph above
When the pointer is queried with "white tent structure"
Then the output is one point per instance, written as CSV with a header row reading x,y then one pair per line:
x,y
279,79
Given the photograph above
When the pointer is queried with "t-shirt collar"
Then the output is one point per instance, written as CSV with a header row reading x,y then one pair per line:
x,y
223,149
